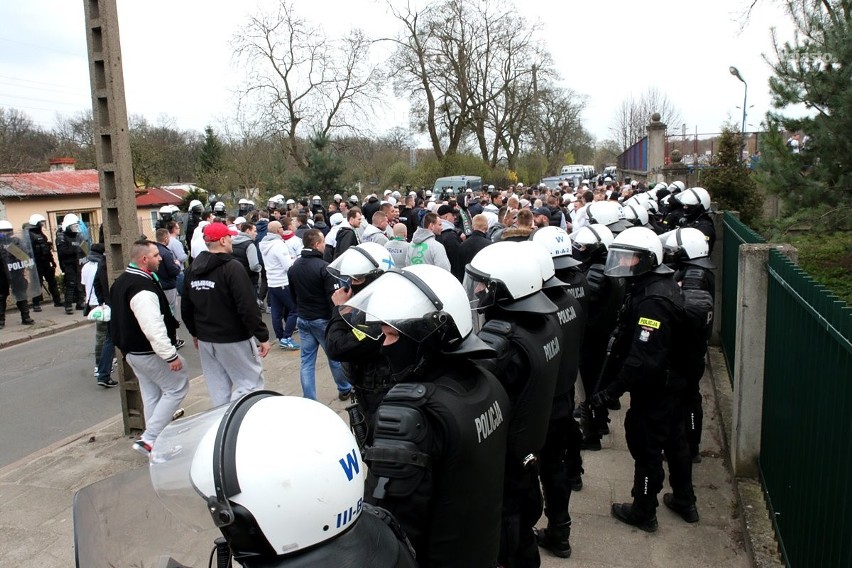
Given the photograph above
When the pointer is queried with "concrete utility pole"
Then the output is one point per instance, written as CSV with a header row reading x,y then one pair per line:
x,y
115,169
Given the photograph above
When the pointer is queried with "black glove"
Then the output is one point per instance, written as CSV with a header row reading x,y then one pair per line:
x,y
600,399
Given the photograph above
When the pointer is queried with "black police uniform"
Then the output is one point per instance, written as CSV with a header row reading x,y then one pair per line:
x,y
191,225
605,298
436,462
45,265
365,366
70,254
375,540
529,347
560,456
646,346
703,223
698,286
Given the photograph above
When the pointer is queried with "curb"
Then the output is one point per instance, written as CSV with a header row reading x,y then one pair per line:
x,y
47,331
759,541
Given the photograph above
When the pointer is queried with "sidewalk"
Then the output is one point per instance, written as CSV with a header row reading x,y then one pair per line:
x,y
36,492
47,322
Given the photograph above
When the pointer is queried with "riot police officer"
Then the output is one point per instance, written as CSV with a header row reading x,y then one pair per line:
x,y
646,350
17,273
440,434
504,284
195,211
695,202
605,296
282,479
69,249
366,368
45,263
164,216
686,252
560,456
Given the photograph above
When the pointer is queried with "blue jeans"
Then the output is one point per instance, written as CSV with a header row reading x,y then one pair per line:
x,y
312,336
107,354
282,307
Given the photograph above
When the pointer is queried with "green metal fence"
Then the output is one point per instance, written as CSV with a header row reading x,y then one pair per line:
x,y
806,448
735,234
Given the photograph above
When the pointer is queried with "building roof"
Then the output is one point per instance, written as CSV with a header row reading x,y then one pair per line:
x,y
49,184
161,196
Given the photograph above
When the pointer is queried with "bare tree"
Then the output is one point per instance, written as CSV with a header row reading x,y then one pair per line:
x,y
632,117
76,138
304,82
24,147
559,128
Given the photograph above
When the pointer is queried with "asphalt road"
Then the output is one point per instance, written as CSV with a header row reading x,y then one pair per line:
x,y
48,391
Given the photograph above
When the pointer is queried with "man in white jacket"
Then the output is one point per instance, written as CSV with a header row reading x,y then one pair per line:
x,y
277,260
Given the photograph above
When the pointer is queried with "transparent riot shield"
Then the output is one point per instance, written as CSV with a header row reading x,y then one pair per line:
x,y
119,521
23,277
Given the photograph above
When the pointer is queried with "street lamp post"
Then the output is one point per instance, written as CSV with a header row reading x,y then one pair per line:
x,y
736,73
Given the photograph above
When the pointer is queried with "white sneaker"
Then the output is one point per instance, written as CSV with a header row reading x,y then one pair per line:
x,y
96,371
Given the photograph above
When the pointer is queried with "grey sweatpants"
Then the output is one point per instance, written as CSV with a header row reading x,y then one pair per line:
x,y
163,391
230,366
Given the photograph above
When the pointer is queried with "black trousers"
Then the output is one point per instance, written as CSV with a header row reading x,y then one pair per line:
x,y
646,428
676,447
522,507
560,460
47,273
73,285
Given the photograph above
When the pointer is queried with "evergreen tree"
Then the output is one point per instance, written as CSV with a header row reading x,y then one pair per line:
x,y
324,170
812,70
729,181
210,166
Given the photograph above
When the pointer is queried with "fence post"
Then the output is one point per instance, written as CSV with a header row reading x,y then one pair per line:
x,y
749,354
717,258
656,150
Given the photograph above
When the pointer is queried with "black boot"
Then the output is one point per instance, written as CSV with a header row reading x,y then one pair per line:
x,y
36,306
554,539
24,308
687,510
629,513
2,312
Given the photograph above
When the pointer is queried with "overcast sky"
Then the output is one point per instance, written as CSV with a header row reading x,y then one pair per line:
x,y
177,55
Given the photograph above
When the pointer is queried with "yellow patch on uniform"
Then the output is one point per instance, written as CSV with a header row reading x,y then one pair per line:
x,y
359,334
647,322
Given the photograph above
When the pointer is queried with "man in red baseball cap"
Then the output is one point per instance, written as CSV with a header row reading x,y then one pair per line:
x,y
220,310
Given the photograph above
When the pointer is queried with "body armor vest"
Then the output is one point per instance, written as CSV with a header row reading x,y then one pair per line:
x,y
572,322
441,446
528,362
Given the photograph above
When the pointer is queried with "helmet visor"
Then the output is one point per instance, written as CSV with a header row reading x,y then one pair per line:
x,y
417,319
171,464
480,289
622,262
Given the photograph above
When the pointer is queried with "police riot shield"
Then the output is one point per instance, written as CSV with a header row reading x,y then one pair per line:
x,y
18,255
119,521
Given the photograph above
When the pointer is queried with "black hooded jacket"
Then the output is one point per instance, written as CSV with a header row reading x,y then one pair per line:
x,y
219,304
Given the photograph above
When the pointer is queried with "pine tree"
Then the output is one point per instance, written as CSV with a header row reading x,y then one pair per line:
x,y
730,181
210,162
812,70
324,169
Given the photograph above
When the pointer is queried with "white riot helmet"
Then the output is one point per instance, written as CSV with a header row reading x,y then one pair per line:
x,y
592,241
558,243
606,213
316,200
636,214
635,251
277,474
695,201
659,186
542,257
5,225
165,213
361,264
195,206
353,199
677,186
72,222
686,245
219,209
338,198
290,202
436,309
505,273
36,218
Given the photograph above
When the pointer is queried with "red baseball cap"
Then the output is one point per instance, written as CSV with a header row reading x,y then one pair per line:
x,y
215,231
